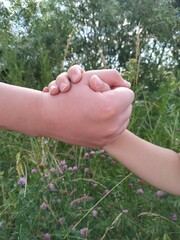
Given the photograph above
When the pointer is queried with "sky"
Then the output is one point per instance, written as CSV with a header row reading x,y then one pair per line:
x,y
5,2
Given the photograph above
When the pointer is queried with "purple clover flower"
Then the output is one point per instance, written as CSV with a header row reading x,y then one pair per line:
x,y
64,167
86,156
70,169
92,153
52,170
33,171
101,151
84,232
47,236
75,169
86,170
62,163
130,185
60,172
160,194
94,213
140,191
22,181
106,192
51,187
173,217
43,206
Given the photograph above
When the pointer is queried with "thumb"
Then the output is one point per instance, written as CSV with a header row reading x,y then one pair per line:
x,y
98,85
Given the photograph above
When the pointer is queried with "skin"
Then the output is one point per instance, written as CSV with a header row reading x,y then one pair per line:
x,y
156,165
78,117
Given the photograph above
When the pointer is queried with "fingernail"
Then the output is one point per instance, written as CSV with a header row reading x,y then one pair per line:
x,y
98,82
128,84
76,76
52,88
63,86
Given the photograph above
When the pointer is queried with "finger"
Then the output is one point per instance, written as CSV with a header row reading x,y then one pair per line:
x,y
63,82
120,97
45,89
110,76
53,88
98,85
75,73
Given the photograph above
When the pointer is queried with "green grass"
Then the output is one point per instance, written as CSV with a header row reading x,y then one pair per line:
x,y
121,214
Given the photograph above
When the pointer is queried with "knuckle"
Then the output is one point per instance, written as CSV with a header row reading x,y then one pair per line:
x,y
116,74
61,77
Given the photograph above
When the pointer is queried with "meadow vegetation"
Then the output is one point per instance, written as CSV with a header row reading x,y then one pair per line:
x,y
52,190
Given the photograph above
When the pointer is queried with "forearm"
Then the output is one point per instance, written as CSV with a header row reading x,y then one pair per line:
x,y
20,109
156,165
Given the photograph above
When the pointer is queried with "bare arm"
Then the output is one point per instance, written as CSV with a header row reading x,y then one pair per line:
x,y
20,109
156,165
77,117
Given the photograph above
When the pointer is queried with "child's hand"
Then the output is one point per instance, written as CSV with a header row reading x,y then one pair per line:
x,y
99,81
63,81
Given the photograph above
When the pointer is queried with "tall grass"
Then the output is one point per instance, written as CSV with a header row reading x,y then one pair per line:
x,y
78,193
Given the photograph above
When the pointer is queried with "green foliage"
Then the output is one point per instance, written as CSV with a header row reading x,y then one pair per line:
x,y
38,40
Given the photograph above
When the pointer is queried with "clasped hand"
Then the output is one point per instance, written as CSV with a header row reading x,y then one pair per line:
x,y
91,113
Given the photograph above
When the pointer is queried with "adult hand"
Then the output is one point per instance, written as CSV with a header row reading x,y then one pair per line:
x,y
85,117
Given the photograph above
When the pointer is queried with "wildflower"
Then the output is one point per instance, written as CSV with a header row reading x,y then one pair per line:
x,y
60,172
75,169
92,153
173,217
33,171
52,170
130,185
140,182
160,194
70,169
86,170
22,182
87,156
140,191
43,206
64,167
106,192
94,213
62,163
47,236
101,151
84,232
51,187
